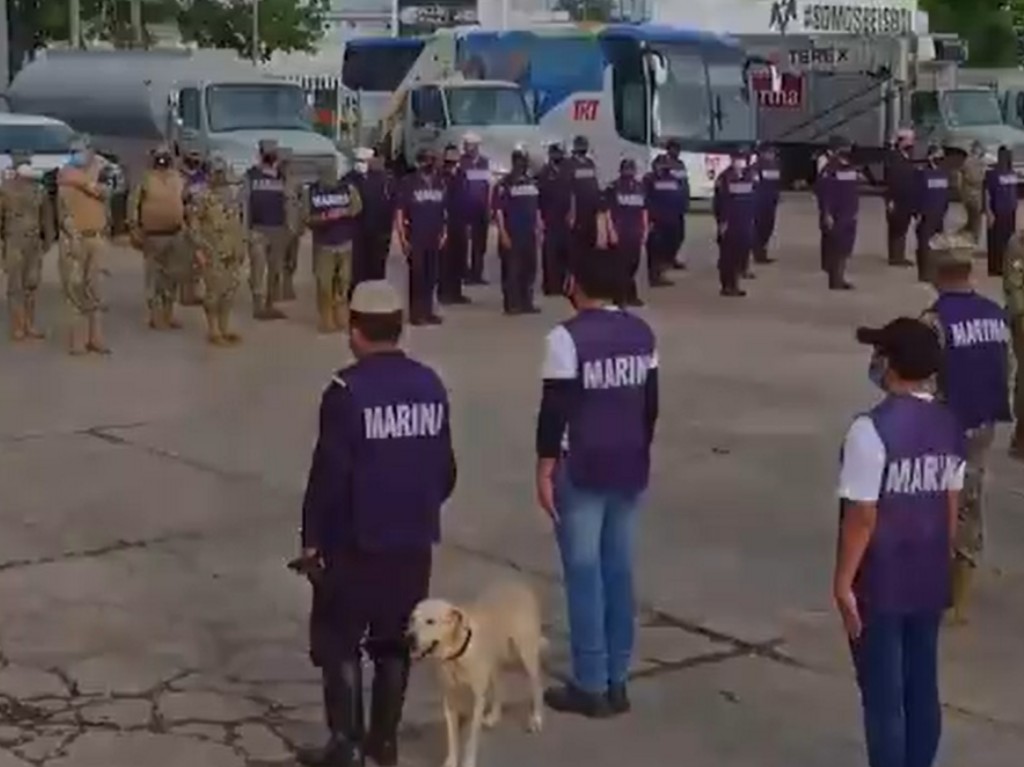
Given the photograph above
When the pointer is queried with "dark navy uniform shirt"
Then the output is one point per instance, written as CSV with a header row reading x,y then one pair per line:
x,y
383,464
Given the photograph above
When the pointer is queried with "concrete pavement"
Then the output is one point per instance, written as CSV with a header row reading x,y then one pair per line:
x,y
150,500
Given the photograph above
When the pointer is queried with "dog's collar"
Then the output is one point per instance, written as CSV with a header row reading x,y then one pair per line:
x,y
463,648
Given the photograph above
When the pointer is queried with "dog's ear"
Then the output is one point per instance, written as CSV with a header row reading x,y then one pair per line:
x,y
455,619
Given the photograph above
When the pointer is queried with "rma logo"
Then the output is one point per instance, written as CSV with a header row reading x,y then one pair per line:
x,y
783,12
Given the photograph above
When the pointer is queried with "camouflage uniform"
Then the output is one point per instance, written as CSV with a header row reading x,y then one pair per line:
x,y
27,232
295,224
972,192
165,254
217,230
81,243
332,268
1013,287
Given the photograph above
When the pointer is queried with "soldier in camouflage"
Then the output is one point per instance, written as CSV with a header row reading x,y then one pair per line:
x,y
217,230
27,232
83,218
1013,287
294,223
972,190
973,383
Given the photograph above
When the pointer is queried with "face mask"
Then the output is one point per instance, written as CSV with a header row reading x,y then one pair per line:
x,y
78,159
556,159
876,371
739,163
579,152
628,175
362,168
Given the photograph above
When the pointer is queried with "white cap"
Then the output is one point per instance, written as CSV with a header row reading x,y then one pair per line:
x,y
375,297
471,138
364,153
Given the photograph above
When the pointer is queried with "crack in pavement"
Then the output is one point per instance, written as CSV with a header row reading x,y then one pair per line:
x,y
29,436
97,551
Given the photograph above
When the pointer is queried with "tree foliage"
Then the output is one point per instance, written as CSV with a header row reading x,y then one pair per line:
x,y
284,25
588,10
991,27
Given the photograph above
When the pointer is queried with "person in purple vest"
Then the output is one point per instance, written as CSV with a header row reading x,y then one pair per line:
x,y
902,472
677,169
420,223
625,213
555,187
1000,208
516,202
733,205
373,228
474,204
769,186
930,205
332,210
594,432
664,194
974,382
586,198
453,256
265,198
382,469
900,190
838,191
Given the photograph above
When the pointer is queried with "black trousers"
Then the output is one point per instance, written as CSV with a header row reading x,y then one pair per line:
x,y
627,254
556,259
764,228
898,224
584,235
365,599
453,263
663,243
733,256
370,254
518,274
423,268
838,246
477,225
999,234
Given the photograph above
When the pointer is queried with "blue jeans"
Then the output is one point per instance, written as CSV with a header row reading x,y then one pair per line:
x,y
595,538
896,659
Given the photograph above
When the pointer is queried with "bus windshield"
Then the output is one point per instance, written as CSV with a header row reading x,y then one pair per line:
x,y
380,66
253,107
703,95
484,105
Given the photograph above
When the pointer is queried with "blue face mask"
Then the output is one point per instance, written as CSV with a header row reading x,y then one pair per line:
x,y
876,371
77,159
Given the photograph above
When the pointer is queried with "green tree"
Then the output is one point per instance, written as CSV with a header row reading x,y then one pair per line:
x,y
588,10
284,25
988,26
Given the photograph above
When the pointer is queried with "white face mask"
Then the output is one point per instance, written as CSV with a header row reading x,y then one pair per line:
x,y
739,163
362,167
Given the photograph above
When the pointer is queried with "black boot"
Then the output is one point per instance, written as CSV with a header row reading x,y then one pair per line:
x,y
390,678
343,706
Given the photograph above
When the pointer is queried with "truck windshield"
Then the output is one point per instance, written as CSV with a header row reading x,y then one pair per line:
x,y
972,107
487,106
703,96
253,107
36,138
379,65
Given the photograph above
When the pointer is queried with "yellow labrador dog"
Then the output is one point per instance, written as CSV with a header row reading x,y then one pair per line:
x,y
470,645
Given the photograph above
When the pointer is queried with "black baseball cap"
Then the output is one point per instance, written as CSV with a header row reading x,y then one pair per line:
x,y
911,347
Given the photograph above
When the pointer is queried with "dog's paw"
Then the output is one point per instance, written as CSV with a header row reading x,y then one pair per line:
x,y
536,722
491,718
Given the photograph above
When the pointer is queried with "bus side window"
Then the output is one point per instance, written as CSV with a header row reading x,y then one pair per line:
x,y
629,89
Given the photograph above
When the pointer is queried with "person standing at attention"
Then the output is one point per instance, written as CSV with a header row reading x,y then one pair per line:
x,y
594,432
899,486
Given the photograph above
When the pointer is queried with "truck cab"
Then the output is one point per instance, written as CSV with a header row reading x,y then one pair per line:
x,y
956,117
433,115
